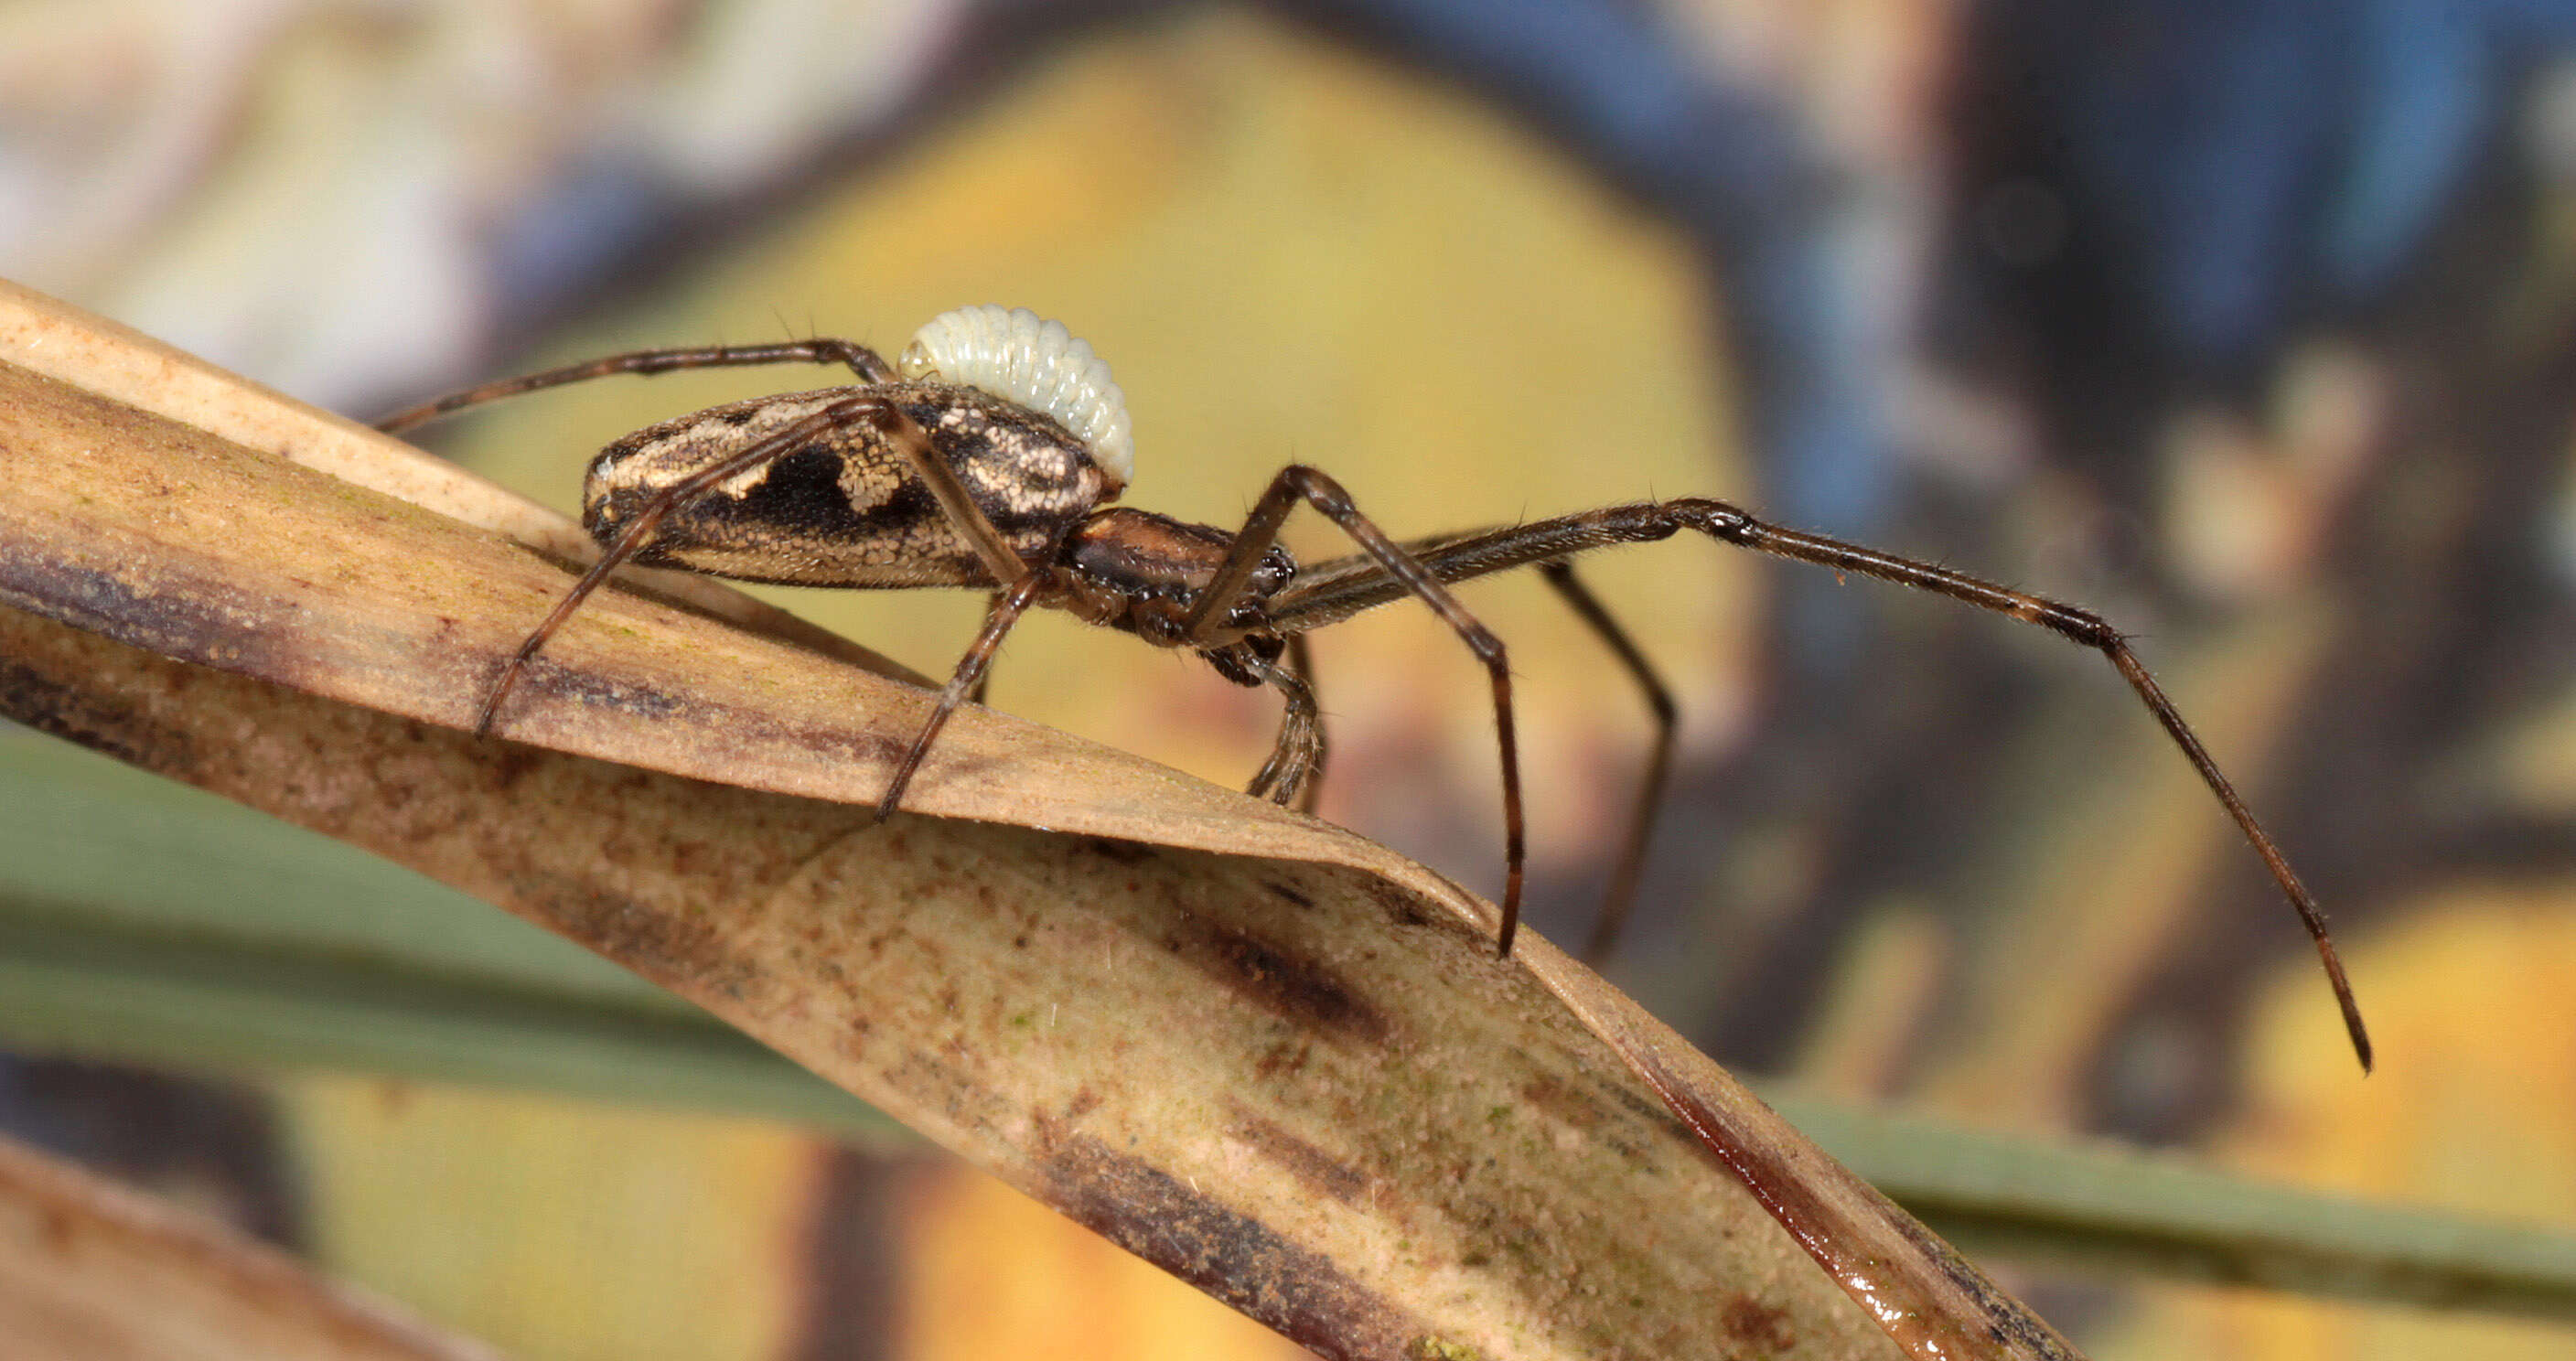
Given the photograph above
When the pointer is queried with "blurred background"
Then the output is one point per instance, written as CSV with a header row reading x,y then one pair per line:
x,y
2251,325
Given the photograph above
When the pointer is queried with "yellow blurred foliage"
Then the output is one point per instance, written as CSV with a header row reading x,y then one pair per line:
x,y
559,1230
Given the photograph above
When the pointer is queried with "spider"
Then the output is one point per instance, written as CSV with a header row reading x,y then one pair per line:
x,y
988,456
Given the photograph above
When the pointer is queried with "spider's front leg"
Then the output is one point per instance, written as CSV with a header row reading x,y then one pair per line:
x,y
1299,483
1730,524
1301,660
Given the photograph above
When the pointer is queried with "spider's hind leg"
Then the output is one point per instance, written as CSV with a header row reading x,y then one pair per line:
x,y
1621,895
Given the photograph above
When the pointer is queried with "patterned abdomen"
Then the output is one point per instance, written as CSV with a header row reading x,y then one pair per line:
x,y
847,509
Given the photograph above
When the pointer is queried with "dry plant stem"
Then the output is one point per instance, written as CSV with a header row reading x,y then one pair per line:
x,y
92,1271
1308,1087
1298,1087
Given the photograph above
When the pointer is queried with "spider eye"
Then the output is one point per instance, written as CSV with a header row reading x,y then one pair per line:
x,y
1277,568
1016,354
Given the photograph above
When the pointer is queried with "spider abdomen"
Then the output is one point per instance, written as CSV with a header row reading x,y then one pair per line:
x,y
848,509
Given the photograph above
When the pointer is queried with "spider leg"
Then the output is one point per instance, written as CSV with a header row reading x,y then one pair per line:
x,y
984,682
1006,609
863,361
1301,659
899,429
1224,591
1731,525
1297,757
1330,591
1622,893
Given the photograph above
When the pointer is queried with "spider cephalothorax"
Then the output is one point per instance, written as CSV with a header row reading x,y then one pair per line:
x,y
1141,572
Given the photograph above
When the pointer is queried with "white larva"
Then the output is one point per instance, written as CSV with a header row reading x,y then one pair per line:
x,y
1016,354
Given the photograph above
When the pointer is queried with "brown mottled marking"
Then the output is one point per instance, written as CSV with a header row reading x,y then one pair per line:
x,y
1400,907
1123,852
1299,989
1232,1256
1282,1059
1315,1169
1747,1319
1283,891
48,705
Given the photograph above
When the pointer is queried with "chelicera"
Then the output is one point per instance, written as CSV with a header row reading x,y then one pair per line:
x,y
990,456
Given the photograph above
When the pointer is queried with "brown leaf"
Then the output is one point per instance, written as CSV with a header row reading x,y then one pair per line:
x,y
1273,1057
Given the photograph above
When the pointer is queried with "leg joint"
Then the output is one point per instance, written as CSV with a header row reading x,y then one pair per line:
x,y
1319,489
1716,519
2081,625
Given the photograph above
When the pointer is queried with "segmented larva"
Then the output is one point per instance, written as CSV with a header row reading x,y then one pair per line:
x,y
1016,354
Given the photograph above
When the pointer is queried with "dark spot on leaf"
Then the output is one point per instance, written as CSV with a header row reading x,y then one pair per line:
x,y
1299,989
31,696
1282,1059
1230,1255
593,691
199,620
1315,1169
1123,852
1747,1319
1398,904
1547,1093
513,764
